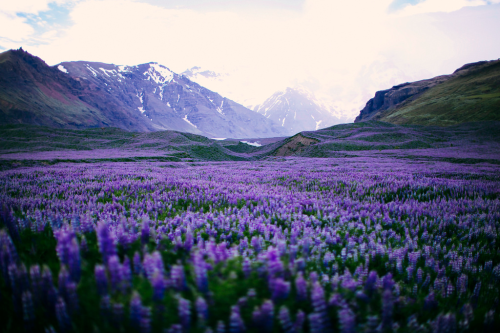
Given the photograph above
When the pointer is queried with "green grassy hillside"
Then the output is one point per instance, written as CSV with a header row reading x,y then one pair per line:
x,y
468,97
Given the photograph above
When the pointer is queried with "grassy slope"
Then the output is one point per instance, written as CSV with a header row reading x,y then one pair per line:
x,y
473,96
335,141
29,138
379,136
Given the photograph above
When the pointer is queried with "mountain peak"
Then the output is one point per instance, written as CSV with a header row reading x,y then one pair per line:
x,y
296,110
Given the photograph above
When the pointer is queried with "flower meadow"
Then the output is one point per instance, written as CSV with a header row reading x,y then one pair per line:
x,y
301,245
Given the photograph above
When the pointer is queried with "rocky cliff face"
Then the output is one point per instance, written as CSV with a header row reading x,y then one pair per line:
x,y
296,110
146,97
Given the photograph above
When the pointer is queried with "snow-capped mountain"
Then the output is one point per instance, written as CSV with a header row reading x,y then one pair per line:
x,y
297,110
171,101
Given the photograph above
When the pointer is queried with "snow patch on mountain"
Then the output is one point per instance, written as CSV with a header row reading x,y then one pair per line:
x,y
92,70
255,144
159,73
187,120
62,69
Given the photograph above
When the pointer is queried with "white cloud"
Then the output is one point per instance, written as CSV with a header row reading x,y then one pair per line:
x,y
16,27
445,6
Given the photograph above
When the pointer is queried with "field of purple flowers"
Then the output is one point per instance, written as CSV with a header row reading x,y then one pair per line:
x,y
301,245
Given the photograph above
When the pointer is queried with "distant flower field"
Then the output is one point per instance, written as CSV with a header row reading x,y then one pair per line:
x,y
302,245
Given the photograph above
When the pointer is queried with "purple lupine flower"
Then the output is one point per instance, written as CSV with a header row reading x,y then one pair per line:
x,y
28,312
115,271
101,279
371,283
445,323
489,321
36,283
145,322
200,271
64,278
135,310
372,323
106,242
256,244
427,281
387,282
19,279
319,306
263,317
145,232
301,287
68,252
347,321
420,274
184,309
221,328
201,311
267,315
362,296
429,302
126,273
177,277
236,324
387,310
285,320
300,264
175,328
247,269
315,323
188,243
62,316
71,297
299,321
153,262
159,286
279,288
477,290
243,245
8,253
313,277
83,245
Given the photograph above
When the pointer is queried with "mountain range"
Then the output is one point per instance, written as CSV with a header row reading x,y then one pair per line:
x,y
146,97
471,93
150,97
294,109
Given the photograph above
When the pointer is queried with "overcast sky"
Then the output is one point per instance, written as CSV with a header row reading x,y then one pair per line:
x,y
342,49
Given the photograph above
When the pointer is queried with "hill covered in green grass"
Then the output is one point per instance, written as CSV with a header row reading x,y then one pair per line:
x,y
22,145
470,94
